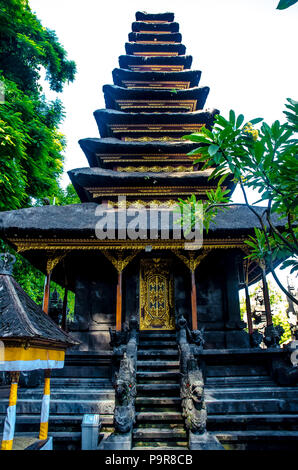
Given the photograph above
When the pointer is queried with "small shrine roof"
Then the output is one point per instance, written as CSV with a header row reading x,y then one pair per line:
x,y
22,319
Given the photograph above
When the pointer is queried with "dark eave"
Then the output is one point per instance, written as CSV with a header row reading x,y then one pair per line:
x,y
138,26
132,100
144,37
112,123
144,16
91,181
133,48
97,149
159,63
186,78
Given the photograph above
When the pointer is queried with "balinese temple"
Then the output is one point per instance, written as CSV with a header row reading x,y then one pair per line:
x,y
140,159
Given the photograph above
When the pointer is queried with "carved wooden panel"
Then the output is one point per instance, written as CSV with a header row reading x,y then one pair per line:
x,y
156,295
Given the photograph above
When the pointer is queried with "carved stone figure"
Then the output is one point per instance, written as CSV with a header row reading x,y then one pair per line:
x,y
125,388
273,335
258,310
192,394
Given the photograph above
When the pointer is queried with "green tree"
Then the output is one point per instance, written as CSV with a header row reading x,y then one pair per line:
x,y
266,161
31,146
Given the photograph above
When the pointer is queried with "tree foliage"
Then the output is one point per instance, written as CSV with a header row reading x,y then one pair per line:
x,y
31,146
265,160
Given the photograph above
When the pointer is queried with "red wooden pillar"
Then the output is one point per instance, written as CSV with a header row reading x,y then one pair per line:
x,y
119,303
194,313
46,293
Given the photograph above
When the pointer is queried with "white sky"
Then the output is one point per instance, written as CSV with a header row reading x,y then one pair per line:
x,y
246,50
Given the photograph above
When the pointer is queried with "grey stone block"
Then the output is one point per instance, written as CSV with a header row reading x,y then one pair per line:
x,y
90,429
204,441
117,442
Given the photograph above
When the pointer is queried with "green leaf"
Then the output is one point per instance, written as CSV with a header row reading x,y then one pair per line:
x,y
255,121
239,121
232,117
283,4
212,149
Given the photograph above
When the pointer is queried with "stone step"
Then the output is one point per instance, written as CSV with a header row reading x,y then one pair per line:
x,y
159,344
55,420
157,387
243,406
157,334
238,380
145,416
158,401
236,370
68,394
159,433
253,421
57,382
157,363
251,393
162,375
62,407
157,352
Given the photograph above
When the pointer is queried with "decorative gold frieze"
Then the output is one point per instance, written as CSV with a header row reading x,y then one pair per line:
x,y
164,85
53,260
177,127
190,105
154,54
156,68
155,169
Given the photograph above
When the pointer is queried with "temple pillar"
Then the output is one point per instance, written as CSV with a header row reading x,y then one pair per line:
x,y
266,294
46,293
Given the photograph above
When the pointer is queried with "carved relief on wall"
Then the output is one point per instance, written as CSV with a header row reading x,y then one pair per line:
x,y
156,295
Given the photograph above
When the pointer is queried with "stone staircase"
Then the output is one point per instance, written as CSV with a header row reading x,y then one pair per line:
x,y
248,410
71,397
159,423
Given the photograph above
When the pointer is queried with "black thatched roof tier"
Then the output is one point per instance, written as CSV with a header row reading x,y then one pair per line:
x,y
144,37
132,100
112,123
21,318
79,221
101,184
171,80
144,16
138,26
155,49
100,151
158,63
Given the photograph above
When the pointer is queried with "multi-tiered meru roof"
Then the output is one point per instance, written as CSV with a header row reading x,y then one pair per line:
x,y
155,101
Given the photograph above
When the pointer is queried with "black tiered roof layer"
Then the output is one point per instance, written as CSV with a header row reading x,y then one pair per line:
x,y
159,80
155,37
155,17
158,63
137,101
159,28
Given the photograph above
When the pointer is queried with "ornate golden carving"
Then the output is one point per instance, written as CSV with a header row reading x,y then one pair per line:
x,y
156,68
155,169
190,105
53,260
165,85
26,244
192,261
156,295
120,261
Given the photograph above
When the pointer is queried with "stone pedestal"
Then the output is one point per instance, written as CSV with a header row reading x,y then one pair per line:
x,y
90,430
117,442
204,441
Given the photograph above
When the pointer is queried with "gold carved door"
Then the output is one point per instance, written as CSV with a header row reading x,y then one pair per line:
x,y
156,295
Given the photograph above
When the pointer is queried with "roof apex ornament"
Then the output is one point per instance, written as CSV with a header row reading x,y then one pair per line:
x,y
7,261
